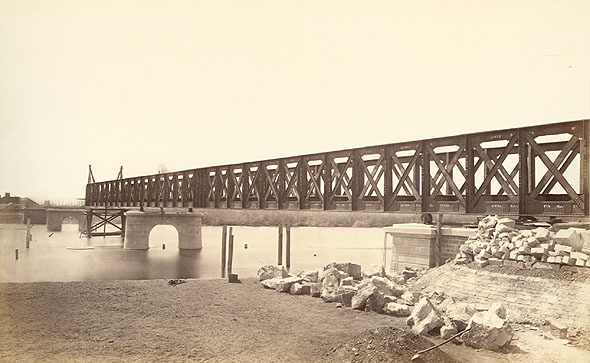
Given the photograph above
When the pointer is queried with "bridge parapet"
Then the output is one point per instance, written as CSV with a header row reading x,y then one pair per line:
x,y
537,170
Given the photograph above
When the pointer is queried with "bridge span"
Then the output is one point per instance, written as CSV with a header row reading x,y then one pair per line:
x,y
538,171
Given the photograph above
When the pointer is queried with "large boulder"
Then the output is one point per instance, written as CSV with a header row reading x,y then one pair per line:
x,y
447,331
488,331
569,237
345,294
271,283
395,309
284,285
460,314
269,272
296,289
330,284
375,303
359,300
309,276
387,287
425,317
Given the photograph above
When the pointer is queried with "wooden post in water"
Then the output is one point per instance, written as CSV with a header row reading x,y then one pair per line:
x,y
89,223
16,254
437,252
223,248
230,255
28,237
288,246
280,256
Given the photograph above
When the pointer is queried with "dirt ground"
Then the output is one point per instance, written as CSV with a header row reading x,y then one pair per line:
x,y
211,320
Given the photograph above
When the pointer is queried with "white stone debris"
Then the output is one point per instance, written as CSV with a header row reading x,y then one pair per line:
x,y
498,241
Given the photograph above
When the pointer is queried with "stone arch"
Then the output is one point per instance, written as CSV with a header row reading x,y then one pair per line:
x,y
139,225
169,241
55,218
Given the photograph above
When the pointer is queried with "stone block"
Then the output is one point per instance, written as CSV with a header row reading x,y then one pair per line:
x,y
315,289
557,329
524,250
533,241
542,265
563,249
296,289
513,255
538,251
482,263
305,289
553,259
569,237
580,263
579,256
566,260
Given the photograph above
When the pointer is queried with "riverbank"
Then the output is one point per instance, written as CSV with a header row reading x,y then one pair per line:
x,y
200,320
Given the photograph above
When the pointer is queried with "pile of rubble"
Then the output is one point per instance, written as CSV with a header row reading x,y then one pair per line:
x,y
373,290
498,240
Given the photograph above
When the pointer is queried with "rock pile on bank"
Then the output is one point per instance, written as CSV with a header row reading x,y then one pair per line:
x,y
346,285
498,241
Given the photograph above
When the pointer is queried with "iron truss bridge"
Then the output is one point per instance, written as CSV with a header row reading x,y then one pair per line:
x,y
538,170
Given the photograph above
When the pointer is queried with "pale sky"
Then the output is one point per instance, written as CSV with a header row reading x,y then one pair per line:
x,y
200,83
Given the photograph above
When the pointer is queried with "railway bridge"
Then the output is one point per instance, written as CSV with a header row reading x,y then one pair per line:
x,y
539,171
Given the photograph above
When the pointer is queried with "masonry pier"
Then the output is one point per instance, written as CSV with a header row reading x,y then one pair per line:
x,y
139,224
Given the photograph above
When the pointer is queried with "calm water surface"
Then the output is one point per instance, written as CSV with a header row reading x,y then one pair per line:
x,y
64,257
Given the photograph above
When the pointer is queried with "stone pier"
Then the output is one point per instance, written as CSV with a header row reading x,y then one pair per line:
x,y
139,224
56,216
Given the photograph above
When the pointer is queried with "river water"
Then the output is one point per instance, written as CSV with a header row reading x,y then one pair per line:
x,y
65,256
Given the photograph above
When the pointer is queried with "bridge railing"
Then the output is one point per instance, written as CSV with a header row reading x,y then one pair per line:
x,y
532,171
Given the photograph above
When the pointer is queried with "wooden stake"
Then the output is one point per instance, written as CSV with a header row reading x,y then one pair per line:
x,y
223,249
280,256
438,239
288,247
28,237
230,255
16,254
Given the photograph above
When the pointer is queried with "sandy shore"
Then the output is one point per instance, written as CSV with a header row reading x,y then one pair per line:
x,y
201,320
206,320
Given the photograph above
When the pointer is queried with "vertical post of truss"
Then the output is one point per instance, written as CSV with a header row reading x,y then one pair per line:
x,y
356,180
470,180
327,182
523,175
281,188
245,185
425,177
388,181
231,186
302,182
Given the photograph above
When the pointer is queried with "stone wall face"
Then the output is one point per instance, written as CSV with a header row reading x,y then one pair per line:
x,y
414,245
139,225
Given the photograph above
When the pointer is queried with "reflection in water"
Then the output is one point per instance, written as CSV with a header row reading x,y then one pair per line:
x,y
49,259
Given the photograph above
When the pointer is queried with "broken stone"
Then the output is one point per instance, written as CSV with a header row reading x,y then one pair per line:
x,y
460,313
566,260
387,287
488,331
345,294
495,261
538,251
580,263
330,284
447,331
375,303
569,237
408,274
271,283
425,317
348,268
296,289
359,300
498,309
579,256
557,329
346,281
398,310
306,289
315,290
563,249
284,285
482,263
462,261
410,297
269,272
309,276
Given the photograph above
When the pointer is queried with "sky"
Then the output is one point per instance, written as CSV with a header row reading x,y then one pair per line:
x,y
191,84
